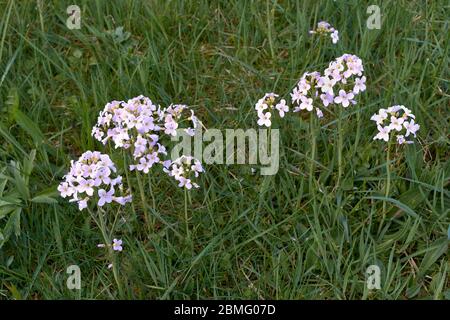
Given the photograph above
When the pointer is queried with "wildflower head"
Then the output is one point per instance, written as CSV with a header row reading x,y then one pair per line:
x,y
325,29
177,115
139,126
92,177
305,95
342,81
184,170
266,105
396,120
117,245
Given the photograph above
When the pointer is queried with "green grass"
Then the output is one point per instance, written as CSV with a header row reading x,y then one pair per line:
x,y
289,236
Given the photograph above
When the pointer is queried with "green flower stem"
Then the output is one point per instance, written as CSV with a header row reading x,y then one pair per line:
x,y
125,162
150,187
388,176
144,202
102,226
312,165
340,147
186,219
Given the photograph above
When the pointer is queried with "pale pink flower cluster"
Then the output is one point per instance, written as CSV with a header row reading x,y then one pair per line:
x,y
324,28
184,170
396,120
139,125
266,105
305,92
91,176
341,81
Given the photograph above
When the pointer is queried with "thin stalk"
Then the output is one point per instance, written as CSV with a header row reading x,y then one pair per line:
x,y
388,176
269,16
102,225
144,202
186,220
312,166
125,162
340,147
150,187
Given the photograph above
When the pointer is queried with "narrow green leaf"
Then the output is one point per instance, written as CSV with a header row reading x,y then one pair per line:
x,y
29,126
28,164
436,250
44,199
8,137
19,181
400,205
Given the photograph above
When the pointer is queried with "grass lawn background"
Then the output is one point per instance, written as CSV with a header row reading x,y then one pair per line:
x,y
289,236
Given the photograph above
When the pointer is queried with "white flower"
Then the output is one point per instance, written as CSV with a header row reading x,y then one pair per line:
x,y
296,95
407,112
117,245
319,113
82,204
335,36
170,127
401,139
344,98
261,106
327,99
306,103
360,85
282,107
105,197
197,167
326,84
65,190
264,119
380,116
394,109
303,85
184,182
411,127
396,123
144,165
383,133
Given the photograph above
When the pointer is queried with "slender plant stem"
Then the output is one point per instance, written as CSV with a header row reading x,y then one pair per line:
x,y
102,226
312,166
388,176
186,220
144,202
269,16
340,147
150,187
125,162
